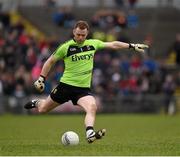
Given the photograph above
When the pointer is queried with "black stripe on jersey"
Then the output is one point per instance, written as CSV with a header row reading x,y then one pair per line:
x,y
75,49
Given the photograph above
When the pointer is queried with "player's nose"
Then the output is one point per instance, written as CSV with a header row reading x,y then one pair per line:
x,y
80,38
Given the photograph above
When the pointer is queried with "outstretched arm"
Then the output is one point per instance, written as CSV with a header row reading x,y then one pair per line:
x,y
39,84
116,45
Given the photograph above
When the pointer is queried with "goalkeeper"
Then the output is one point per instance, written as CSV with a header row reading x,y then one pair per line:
x,y
78,55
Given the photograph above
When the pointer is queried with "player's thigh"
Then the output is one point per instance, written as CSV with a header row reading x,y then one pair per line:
x,y
48,104
87,103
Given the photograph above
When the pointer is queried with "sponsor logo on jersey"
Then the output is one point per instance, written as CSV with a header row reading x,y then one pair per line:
x,y
72,49
82,57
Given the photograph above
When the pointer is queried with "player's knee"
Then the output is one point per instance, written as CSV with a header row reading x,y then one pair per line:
x,y
93,108
42,109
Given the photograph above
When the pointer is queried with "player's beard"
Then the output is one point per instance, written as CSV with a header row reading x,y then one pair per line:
x,y
80,41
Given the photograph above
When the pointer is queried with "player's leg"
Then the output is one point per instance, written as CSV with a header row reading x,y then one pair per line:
x,y
43,105
88,103
57,97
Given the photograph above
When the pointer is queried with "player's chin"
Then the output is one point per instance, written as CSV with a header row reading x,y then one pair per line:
x,y
80,41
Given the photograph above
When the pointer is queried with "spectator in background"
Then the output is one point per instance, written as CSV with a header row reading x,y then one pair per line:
x,y
132,3
121,20
4,19
50,4
176,48
119,3
149,41
135,65
124,65
8,83
58,17
109,19
64,17
132,19
69,18
149,66
19,27
169,89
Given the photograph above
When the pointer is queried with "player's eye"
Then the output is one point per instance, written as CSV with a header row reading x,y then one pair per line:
x,y
80,35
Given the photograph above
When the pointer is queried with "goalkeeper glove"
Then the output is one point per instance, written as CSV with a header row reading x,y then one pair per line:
x,y
138,47
39,84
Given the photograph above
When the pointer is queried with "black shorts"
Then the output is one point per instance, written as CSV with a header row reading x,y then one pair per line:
x,y
64,92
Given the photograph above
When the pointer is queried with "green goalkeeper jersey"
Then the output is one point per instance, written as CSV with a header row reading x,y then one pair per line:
x,y
78,60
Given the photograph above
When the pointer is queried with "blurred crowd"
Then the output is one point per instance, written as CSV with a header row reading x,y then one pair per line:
x,y
104,19
108,19
115,74
21,57
64,17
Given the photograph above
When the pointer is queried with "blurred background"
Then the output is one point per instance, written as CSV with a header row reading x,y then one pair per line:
x,y
123,81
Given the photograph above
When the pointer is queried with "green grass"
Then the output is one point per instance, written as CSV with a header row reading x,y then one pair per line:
x,y
126,135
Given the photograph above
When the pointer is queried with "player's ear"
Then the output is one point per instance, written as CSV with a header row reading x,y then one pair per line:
x,y
87,33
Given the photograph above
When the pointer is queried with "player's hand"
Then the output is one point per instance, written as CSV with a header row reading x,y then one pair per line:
x,y
138,47
39,84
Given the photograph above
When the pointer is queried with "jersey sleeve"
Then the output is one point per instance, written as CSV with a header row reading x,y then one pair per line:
x,y
60,52
99,44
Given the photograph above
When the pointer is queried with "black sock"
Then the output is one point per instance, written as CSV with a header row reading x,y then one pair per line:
x,y
89,128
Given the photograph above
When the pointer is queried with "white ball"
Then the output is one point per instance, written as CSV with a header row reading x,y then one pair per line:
x,y
70,138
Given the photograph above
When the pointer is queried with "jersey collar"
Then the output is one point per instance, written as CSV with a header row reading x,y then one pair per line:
x,y
77,43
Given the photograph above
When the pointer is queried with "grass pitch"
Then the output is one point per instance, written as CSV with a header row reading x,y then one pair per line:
x,y
126,135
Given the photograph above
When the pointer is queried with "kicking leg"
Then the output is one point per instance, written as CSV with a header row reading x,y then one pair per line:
x,y
43,105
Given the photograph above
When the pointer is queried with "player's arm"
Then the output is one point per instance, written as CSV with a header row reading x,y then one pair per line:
x,y
47,66
39,84
57,55
116,45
